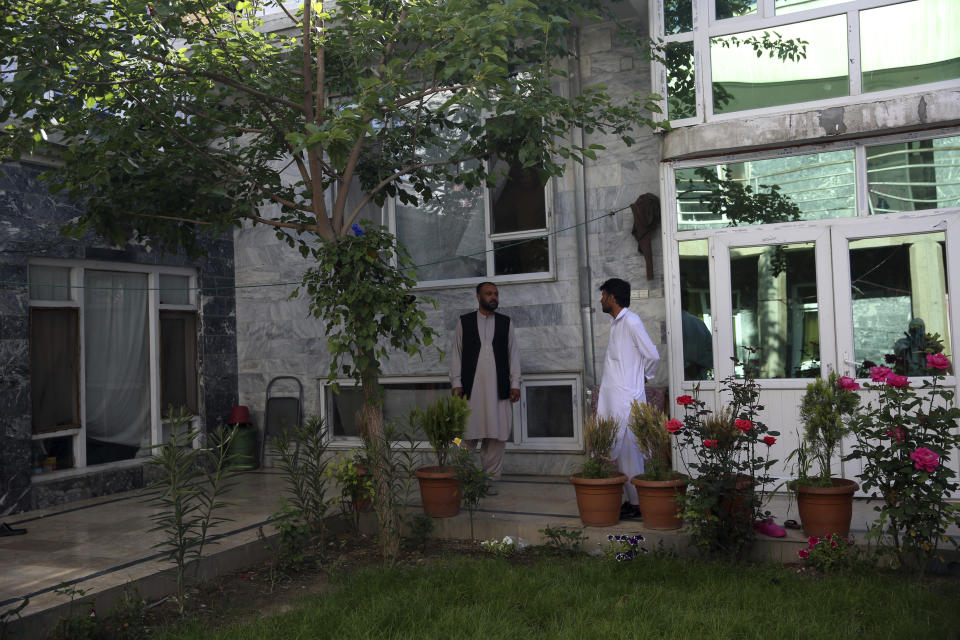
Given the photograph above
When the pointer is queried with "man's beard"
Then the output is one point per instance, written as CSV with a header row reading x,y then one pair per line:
x,y
489,306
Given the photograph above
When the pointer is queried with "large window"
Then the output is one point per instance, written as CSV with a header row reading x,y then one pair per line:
x,y
462,234
547,417
112,346
747,55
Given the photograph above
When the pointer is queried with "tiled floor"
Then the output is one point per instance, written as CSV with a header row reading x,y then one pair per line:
x,y
103,543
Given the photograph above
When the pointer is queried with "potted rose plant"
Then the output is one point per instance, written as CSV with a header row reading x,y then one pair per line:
x,y
730,450
906,440
443,423
599,486
825,503
659,487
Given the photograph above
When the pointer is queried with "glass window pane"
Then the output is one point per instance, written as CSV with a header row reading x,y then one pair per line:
x,y
775,312
521,256
517,200
806,187
910,43
915,175
899,288
681,81
445,236
677,16
54,369
174,289
695,309
749,73
792,6
178,361
735,8
49,283
549,411
398,399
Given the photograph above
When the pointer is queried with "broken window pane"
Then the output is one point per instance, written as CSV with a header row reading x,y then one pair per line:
x,y
775,313
900,290
914,175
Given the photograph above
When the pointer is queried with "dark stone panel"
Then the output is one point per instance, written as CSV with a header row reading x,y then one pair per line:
x,y
218,305
91,485
14,471
14,328
219,326
216,345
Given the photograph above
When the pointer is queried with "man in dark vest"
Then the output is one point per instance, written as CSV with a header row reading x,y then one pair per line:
x,y
485,367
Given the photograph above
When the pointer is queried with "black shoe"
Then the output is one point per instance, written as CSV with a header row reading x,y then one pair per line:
x,y
629,511
7,530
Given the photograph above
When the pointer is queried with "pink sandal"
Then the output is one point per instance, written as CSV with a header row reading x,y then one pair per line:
x,y
769,528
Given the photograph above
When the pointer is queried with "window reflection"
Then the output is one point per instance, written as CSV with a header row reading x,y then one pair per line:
x,y
908,44
677,16
899,290
792,6
681,81
775,311
521,256
735,8
807,187
914,175
697,316
796,63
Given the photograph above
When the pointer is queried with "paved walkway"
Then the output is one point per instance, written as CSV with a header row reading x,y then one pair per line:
x,y
104,545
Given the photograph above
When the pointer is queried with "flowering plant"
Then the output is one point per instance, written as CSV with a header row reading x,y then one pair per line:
x,y
832,552
825,409
730,450
623,548
905,440
504,548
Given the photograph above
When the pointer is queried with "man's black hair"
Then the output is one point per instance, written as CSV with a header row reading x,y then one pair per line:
x,y
480,286
619,289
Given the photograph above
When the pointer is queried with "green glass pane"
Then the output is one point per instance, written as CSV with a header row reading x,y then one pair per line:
x,y
908,44
677,16
914,175
775,312
735,8
681,81
805,187
796,63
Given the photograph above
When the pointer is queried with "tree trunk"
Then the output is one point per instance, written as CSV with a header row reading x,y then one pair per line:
x,y
371,424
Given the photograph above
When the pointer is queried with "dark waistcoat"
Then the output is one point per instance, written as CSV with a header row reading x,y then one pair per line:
x,y
471,352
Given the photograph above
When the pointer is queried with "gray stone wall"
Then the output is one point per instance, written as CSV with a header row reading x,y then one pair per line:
x,y
276,337
30,219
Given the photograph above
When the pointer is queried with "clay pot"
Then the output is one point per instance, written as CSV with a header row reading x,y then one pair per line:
x,y
363,504
599,499
440,491
826,510
658,501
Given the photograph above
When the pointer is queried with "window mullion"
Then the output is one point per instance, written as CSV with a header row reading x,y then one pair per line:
x,y
153,332
853,51
860,175
487,229
703,81
80,440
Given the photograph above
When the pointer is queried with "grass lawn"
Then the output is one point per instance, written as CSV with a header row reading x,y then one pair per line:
x,y
652,597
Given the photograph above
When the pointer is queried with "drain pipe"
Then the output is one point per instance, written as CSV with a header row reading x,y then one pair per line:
x,y
583,256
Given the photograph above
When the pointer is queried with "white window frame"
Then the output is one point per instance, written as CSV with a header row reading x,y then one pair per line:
x,y
519,440
706,27
154,307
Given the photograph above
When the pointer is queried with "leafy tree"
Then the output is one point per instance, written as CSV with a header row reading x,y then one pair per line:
x,y
176,118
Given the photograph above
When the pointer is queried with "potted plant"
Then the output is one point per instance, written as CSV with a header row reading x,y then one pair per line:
x,y
599,486
443,423
659,486
825,503
350,472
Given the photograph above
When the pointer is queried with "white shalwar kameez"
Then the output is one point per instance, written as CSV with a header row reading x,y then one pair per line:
x,y
631,361
490,417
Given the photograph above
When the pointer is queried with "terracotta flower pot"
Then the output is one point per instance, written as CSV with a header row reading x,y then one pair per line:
x,y
440,492
826,510
658,501
599,499
739,504
363,504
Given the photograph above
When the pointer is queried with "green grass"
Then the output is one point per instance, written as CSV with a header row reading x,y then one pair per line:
x,y
653,597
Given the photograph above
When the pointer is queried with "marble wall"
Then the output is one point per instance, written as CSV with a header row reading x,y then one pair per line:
x,y
277,337
30,219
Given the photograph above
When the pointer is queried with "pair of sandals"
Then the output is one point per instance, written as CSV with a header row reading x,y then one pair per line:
x,y
7,530
629,512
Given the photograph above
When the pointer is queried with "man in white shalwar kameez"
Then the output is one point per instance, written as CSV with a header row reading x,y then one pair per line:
x,y
485,366
631,361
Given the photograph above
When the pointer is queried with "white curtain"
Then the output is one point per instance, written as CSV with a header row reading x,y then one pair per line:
x,y
116,357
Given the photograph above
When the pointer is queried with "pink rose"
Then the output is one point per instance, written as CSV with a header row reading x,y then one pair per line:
x,y
899,434
673,425
924,459
710,444
813,541
938,361
833,544
879,374
743,425
803,553
769,440
684,400
847,383
897,381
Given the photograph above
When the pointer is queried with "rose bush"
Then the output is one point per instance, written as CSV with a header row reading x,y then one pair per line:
x,y
905,439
